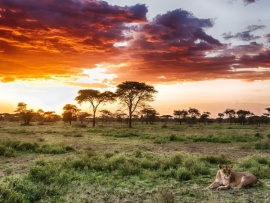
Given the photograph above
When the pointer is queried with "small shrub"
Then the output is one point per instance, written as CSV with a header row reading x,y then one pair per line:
x,y
27,146
41,139
173,137
262,145
12,143
9,152
183,174
165,195
138,154
176,160
51,149
216,159
258,135
69,148
78,135
10,196
2,150
108,155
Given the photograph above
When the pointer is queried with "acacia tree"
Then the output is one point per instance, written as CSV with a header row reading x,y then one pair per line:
x,y
70,112
95,98
133,95
181,114
204,117
106,115
26,114
220,115
194,113
230,113
242,114
149,114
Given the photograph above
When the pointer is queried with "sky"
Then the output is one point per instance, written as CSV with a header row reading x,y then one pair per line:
x,y
211,55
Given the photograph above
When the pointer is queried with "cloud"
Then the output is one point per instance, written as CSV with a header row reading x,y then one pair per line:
x,y
245,35
249,1
54,39
267,36
58,36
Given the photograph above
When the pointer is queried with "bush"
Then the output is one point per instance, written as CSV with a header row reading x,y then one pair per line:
x,y
12,143
9,152
165,195
219,159
183,174
2,150
10,196
258,135
259,165
262,145
27,146
51,149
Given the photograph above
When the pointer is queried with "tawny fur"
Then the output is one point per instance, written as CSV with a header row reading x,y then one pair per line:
x,y
226,178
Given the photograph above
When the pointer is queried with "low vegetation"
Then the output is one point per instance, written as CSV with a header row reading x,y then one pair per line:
x,y
147,163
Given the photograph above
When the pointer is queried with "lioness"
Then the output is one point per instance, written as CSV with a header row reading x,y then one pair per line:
x,y
226,178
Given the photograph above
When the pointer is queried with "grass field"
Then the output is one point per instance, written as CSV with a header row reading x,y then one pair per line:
x,y
112,163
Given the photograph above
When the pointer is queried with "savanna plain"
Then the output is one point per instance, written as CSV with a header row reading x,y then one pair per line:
x,y
58,162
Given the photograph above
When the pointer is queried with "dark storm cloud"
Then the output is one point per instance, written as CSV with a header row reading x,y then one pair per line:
x,y
245,35
59,38
268,37
51,29
77,18
249,1
178,30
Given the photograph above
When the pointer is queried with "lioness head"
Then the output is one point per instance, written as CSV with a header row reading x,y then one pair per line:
x,y
225,171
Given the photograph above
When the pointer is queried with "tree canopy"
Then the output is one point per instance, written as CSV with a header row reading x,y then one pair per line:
x,y
95,98
24,112
133,95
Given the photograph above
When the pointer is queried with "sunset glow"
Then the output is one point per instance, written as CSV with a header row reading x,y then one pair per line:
x,y
210,55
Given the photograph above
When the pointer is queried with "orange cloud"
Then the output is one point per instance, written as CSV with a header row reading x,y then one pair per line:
x,y
54,39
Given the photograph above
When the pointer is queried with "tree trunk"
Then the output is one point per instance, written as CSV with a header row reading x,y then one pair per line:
x,y
130,120
94,120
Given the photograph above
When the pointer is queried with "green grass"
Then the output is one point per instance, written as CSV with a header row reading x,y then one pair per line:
x,y
148,163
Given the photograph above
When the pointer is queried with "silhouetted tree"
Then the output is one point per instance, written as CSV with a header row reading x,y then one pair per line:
x,y
50,116
120,115
194,113
220,117
149,114
82,116
231,114
181,114
70,112
95,98
204,117
242,114
106,115
133,95
26,114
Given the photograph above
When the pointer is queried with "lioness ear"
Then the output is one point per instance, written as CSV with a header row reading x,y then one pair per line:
x,y
220,166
